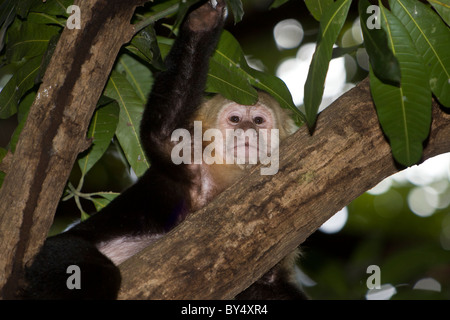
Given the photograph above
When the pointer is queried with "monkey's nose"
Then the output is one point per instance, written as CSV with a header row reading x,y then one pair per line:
x,y
247,125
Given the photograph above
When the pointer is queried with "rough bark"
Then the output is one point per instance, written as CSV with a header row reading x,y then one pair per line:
x,y
220,250
223,248
56,129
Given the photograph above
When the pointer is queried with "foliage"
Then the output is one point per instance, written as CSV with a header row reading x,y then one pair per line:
x,y
331,23
401,95
405,110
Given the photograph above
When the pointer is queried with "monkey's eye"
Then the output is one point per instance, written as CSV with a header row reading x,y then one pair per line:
x,y
258,120
234,119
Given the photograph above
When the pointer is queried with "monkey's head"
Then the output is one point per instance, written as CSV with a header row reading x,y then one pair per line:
x,y
247,129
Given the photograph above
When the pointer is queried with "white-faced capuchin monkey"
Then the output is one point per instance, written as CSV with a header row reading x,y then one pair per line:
x,y
168,191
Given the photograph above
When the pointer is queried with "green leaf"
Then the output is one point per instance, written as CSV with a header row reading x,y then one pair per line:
x,y
104,199
23,6
3,153
278,90
384,64
22,114
29,40
44,18
7,16
164,45
330,25
341,51
6,8
101,131
231,85
137,74
127,132
431,38
22,80
237,9
404,112
183,8
443,8
145,46
47,56
277,3
52,7
230,75
317,7
226,74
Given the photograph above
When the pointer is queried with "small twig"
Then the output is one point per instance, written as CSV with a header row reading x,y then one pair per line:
x,y
153,18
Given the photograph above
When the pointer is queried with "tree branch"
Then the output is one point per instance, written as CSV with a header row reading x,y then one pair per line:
x,y
223,248
55,131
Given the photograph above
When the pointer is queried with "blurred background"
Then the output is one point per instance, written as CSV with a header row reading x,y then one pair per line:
x,y
402,226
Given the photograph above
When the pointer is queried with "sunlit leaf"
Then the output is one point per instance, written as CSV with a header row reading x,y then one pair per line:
x,y
330,25
384,64
431,38
101,131
404,112
127,132
104,198
230,75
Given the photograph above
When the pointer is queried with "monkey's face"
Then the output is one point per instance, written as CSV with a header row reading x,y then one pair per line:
x,y
246,129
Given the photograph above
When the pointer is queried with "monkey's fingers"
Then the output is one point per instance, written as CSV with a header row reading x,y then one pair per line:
x,y
208,16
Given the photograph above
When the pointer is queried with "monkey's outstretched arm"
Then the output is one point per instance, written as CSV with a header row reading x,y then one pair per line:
x,y
178,91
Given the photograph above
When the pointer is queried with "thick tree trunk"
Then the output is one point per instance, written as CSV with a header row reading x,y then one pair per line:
x,y
223,248
55,131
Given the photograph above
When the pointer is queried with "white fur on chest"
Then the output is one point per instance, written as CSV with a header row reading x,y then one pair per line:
x,y
121,248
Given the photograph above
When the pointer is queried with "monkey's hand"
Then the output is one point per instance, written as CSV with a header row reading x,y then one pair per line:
x,y
208,16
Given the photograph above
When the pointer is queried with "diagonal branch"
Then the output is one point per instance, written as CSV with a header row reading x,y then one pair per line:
x,y
223,248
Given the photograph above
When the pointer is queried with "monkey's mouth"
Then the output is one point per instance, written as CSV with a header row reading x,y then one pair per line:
x,y
246,151
247,146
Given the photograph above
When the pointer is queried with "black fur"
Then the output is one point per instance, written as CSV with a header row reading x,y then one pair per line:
x,y
274,285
